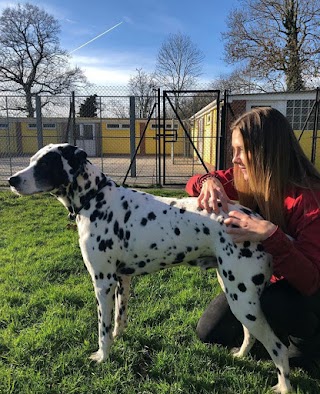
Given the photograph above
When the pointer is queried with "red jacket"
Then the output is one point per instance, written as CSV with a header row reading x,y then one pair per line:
x,y
298,261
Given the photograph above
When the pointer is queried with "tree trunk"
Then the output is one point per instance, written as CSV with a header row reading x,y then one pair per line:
x,y
293,71
29,106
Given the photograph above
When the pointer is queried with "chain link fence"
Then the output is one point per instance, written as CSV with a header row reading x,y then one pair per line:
x,y
302,109
160,139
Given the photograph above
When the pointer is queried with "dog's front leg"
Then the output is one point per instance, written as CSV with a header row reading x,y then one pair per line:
x,y
121,305
104,286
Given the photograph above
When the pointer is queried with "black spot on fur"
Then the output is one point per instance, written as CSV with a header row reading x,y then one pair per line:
x,y
179,258
99,196
245,252
152,216
143,222
177,231
206,231
242,287
258,279
231,276
127,271
127,216
116,227
103,245
260,248
95,214
110,216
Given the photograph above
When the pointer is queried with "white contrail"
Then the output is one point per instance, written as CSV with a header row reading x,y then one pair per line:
x,y
95,38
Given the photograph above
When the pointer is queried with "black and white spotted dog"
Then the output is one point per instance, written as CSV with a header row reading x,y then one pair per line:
x,y
123,232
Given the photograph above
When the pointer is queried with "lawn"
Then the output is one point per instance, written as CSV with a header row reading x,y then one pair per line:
x,y
48,322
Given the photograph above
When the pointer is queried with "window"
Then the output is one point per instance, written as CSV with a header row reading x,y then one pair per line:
x,y
3,125
168,126
113,126
49,125
298,112
44,125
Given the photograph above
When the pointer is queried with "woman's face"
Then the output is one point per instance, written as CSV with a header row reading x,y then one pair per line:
x,y
239,155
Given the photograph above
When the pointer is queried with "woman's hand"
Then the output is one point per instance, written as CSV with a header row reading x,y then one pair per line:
x,y
211,193
243,227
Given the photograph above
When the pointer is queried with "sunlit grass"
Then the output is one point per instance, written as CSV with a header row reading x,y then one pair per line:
x,y
48,322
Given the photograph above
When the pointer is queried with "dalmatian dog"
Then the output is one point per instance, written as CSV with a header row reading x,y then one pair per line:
x,y
124,232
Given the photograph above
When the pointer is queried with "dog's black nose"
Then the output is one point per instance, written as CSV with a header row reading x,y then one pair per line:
x,y
14,181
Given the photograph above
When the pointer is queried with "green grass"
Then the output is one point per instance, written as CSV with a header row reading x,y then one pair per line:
x,y
48,322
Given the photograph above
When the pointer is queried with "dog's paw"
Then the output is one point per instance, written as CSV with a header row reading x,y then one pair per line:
x,y
116,334
236,352
98,356
281,389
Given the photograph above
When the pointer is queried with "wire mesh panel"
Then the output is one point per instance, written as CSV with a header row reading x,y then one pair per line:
x,y
191,133
161,139
300,108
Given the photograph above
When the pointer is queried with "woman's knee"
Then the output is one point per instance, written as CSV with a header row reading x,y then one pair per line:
x,y
218,325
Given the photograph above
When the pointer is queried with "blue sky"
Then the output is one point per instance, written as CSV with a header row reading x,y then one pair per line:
x,y
112,58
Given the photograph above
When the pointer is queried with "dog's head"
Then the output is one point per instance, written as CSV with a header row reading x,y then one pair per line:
x,y
52,167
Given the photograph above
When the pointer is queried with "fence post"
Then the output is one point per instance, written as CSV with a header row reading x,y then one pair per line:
x,y
133,135
315,128
39,122
73,114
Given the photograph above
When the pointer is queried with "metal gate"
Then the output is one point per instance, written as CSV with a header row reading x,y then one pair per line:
x,y
190,134
187,135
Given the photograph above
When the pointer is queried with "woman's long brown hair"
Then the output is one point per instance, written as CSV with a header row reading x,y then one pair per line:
x,y
276,162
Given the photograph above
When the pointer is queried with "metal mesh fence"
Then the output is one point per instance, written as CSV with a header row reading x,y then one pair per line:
x,y
302,109
159,139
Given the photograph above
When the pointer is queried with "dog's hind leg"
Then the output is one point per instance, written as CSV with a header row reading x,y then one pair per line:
x,y
104,286
261,330
121,305
248,342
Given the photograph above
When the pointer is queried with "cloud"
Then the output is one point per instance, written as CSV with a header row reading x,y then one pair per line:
x,y
107,76
112,68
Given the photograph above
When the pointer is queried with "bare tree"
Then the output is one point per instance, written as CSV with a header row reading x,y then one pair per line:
x,y
31,60
142,85
244,81
276,39
179,63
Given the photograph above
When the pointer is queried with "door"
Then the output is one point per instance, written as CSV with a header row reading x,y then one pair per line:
x,y
86,138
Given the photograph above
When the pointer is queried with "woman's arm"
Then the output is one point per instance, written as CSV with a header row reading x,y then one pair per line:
x,y
298,261
211,187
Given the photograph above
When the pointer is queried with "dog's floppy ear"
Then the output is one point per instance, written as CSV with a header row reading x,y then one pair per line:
x,y
75,156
